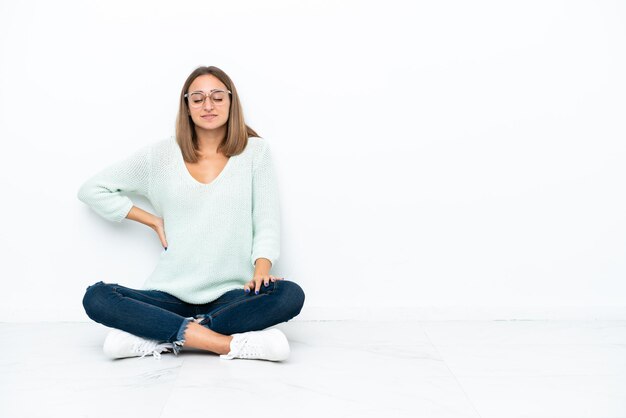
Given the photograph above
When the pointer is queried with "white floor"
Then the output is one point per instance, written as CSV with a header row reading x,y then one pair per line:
x,y
488,369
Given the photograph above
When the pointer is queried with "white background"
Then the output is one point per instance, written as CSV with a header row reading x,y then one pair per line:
x,y
444,159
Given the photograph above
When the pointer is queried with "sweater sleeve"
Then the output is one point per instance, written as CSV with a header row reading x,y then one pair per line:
x,y
103,191
265,207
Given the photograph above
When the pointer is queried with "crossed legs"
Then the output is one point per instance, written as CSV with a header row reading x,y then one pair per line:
x,y
159,316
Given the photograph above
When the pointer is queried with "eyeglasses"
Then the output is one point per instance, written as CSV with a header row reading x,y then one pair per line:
x,y
197,98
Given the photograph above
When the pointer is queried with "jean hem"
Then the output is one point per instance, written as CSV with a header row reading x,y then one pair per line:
x,y
180,336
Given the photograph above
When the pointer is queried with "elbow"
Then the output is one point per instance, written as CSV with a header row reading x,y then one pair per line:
x,y
106,203
84,192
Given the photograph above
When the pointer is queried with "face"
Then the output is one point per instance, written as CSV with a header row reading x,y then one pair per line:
x,y
210,116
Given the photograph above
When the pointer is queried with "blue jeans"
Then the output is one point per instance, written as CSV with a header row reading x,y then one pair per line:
x,y
157,315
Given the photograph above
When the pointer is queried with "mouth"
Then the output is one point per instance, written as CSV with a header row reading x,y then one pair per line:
x,y
208,117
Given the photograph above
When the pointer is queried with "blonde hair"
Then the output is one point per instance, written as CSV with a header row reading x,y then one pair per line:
x,y
237,132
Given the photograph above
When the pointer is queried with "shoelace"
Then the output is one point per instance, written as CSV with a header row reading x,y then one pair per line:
x,y
247,349
150,347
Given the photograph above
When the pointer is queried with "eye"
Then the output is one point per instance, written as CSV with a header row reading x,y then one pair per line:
x,y
218,95
196,98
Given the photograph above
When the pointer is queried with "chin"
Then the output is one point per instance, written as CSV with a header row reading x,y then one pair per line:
x,y
210,125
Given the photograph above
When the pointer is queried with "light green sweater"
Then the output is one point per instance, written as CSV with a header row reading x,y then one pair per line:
x,y
215,232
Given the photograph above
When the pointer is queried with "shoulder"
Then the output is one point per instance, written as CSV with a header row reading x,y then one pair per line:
x,y
164,145
258,146
151,148
255,141
154,154
163,148
260,152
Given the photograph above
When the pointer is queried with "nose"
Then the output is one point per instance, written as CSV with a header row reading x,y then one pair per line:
x,y
208,104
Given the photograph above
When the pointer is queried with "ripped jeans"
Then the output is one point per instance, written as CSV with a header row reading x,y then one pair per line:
x,y
157,315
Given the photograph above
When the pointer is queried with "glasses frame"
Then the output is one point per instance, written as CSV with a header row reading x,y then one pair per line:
x,y
204,97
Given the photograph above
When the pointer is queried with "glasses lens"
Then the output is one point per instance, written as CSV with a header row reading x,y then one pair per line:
x,y
218,97
196,99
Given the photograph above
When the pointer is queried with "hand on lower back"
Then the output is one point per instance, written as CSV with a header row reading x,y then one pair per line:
x,y
153,221
160,230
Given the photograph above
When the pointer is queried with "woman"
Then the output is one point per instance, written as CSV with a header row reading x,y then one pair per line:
x,y
215,194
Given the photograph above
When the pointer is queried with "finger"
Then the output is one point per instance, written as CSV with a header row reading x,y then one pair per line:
x,y
248,286
266,280
162,238
258,285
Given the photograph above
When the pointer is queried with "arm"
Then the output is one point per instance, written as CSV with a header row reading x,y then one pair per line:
x,y
103,191
265,212
148,219
262,267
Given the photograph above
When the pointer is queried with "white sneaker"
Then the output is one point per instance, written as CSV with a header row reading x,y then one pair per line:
x,y
263,345
121,344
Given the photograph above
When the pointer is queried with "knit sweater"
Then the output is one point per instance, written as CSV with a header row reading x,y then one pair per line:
x,y
215,232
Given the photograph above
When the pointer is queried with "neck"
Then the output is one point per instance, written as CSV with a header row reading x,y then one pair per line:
x,y
208,141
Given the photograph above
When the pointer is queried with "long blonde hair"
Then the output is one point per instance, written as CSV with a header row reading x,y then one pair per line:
x,y
237,132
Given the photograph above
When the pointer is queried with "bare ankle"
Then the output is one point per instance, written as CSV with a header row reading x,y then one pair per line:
x,y
197,336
